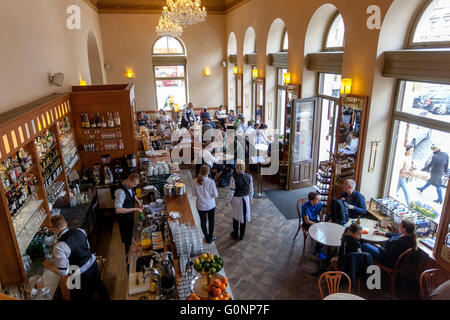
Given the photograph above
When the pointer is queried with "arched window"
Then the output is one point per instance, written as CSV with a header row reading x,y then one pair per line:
x,y
335,34
421,120
432,29
169,70
285,43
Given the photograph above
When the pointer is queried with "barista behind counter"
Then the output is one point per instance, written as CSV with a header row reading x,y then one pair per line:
x,y
126,204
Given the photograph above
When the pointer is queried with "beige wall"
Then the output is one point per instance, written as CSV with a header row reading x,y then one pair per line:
x,y
35,41
361,57
128,41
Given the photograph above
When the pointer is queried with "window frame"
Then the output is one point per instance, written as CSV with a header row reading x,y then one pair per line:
x,y
285,34
400,116
413,29
162,64
327,32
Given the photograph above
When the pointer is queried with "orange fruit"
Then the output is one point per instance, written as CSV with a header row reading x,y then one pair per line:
x,y
225,281
217,283
226,296
216,292
223,287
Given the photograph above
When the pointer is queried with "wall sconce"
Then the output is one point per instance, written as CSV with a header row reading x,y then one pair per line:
x,y
287,78
130,74
207,72
235,70
83,83
346,86
255,73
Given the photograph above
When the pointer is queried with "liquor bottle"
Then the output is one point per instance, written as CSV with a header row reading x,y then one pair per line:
x,y
359,220
117,119
99,121
110,120
92,120
104,124
86,121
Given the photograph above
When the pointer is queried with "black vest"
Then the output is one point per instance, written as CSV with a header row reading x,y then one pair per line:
x,y
77,242
129,197
242,183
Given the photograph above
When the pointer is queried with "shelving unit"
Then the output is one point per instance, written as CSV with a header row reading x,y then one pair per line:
x,y
323,185
18,130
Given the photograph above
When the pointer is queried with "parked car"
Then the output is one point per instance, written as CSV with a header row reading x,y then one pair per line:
x,y
438,103
417,134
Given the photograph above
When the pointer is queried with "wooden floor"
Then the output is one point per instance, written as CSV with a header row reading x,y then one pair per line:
x,y
267,264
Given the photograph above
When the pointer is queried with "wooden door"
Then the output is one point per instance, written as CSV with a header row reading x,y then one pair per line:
x,y
303,143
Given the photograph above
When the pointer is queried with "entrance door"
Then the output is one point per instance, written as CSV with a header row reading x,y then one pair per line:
x,y
303,143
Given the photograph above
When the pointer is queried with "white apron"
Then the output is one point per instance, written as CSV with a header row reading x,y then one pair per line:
x,y
237,211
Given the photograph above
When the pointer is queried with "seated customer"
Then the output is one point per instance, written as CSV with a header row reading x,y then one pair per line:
x,y
311,213
351,148
396,245
356,201
350,241
160,129
221,115
204,114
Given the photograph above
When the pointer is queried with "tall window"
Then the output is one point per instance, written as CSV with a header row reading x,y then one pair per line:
x,y
418,169
285,43
169,69
335,34
281,88
433,27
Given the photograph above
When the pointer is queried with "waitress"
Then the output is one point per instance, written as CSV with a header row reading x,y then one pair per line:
x,y
126,204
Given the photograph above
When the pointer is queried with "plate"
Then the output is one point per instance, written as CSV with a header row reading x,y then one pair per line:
x,y
201,285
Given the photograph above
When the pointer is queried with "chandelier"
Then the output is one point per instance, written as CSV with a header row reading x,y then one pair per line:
x,y
186,12
167,27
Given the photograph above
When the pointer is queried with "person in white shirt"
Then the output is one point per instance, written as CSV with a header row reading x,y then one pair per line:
x,y
163,117
261,135
205,190
221,114
352,148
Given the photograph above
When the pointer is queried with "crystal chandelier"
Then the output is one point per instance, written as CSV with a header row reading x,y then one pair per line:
x,y
167,27
186,12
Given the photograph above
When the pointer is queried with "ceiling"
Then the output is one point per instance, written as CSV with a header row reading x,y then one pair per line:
x,y
212,6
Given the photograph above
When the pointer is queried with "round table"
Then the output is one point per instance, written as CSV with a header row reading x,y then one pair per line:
x,y
327,233
343,296
369,225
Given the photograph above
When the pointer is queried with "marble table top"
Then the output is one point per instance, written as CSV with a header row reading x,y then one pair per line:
x,y
343,296
327,233
369,225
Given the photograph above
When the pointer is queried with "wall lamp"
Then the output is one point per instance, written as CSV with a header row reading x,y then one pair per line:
x,y
346,86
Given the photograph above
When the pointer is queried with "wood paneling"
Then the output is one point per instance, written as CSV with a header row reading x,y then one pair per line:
x,y
326,62
418,65
102,99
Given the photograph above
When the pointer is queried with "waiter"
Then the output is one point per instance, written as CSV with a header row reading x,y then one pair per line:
x,y
126,205
73,249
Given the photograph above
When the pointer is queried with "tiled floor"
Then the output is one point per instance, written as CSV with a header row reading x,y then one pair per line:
x,y
267,264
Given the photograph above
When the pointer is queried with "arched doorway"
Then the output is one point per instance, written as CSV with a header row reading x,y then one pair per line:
x,y
95,64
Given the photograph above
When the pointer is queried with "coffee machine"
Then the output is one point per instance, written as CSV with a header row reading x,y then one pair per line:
x,y
131,163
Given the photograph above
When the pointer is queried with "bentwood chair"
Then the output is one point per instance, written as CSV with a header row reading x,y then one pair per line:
x,y
333,281
305,230
430,280
393,273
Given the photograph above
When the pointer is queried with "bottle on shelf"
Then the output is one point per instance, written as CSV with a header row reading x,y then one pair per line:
x,y
104,124
110,120
92,121
98,121
117,119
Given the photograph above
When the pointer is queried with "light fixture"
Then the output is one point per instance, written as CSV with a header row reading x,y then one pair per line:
x,y
346,86
186,12
56,79
255,73
207,72
235,70
287,78
130,74
167,27
83,83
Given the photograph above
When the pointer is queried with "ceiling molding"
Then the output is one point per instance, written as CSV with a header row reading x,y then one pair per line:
x,y
155,6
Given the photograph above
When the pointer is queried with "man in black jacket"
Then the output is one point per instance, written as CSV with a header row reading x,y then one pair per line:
x,y
357,202
438,166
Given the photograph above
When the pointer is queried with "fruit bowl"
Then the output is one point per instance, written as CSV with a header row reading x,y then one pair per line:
x,y
208,263
210,287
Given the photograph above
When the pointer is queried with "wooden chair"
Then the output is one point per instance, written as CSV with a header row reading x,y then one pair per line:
x,y
300,223
333,281
430,280
393,273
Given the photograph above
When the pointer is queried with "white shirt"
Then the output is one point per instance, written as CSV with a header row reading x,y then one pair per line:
x,y
208,158
206,194
62,252
221,114
249,131
120,197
